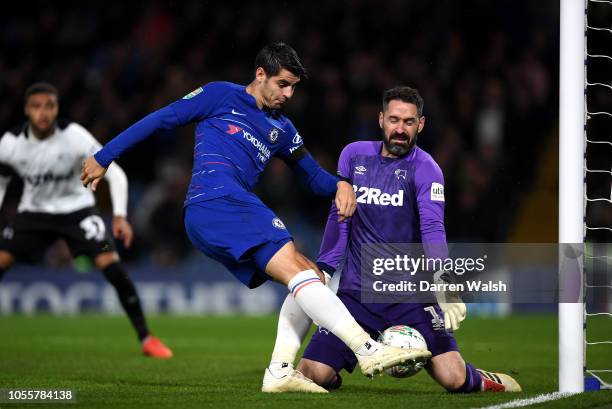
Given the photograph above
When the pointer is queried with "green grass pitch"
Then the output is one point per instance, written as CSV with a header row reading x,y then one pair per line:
x,y
219,362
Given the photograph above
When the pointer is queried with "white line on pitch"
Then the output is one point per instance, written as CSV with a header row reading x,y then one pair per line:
x,y
519,403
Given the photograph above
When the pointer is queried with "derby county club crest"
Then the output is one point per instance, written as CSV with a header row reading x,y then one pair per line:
x,y
400,173
273,135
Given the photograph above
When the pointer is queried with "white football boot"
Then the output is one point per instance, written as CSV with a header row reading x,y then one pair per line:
x,y
387,356
287,379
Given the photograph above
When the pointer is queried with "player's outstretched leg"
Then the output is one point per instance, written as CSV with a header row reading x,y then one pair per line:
x,y
324,307
126,292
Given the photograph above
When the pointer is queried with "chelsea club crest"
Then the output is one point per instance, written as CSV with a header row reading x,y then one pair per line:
x,y
273,135
278,223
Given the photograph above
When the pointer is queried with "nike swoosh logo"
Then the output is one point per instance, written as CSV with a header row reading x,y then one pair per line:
x,y
237,113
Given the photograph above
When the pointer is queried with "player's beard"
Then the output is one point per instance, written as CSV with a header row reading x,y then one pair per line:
x,y
398,150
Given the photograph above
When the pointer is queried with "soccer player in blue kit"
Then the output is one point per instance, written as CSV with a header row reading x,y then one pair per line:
x,y
239,128
400,200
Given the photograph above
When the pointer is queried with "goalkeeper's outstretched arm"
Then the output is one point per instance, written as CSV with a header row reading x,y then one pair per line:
x,y
430,200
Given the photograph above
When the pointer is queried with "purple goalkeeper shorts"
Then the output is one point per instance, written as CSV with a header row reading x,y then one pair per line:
x,y
328,349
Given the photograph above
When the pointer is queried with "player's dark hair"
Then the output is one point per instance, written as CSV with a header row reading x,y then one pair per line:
x,y
276,56
405,94
40,88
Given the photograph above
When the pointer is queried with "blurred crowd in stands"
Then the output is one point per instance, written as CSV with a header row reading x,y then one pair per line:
x,y
488,72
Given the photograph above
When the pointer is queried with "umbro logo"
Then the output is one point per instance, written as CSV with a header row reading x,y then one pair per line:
x,y
237,113
360,170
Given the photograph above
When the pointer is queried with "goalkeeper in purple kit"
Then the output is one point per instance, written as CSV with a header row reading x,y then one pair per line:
x,y
400,199
238,129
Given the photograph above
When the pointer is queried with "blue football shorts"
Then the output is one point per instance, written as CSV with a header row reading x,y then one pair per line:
x,y
239,231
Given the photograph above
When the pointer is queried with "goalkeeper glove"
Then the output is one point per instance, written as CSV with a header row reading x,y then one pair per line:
x,y
451,304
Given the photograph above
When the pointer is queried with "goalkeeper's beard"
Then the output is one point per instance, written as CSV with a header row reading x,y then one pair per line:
x,y
398,150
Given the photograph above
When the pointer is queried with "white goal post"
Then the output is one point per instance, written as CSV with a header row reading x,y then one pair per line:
x,y
571,184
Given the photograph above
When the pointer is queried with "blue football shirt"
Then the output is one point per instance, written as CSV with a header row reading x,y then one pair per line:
x,y
234,139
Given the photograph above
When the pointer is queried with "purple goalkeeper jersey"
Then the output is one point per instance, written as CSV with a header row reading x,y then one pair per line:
x,y
399,200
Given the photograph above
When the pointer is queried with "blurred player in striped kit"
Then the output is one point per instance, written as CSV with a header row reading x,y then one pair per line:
x,y
47,153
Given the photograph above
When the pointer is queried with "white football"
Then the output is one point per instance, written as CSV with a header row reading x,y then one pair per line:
x,y
403,336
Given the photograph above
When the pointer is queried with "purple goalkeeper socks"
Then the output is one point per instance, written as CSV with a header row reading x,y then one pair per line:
x,y
473,380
